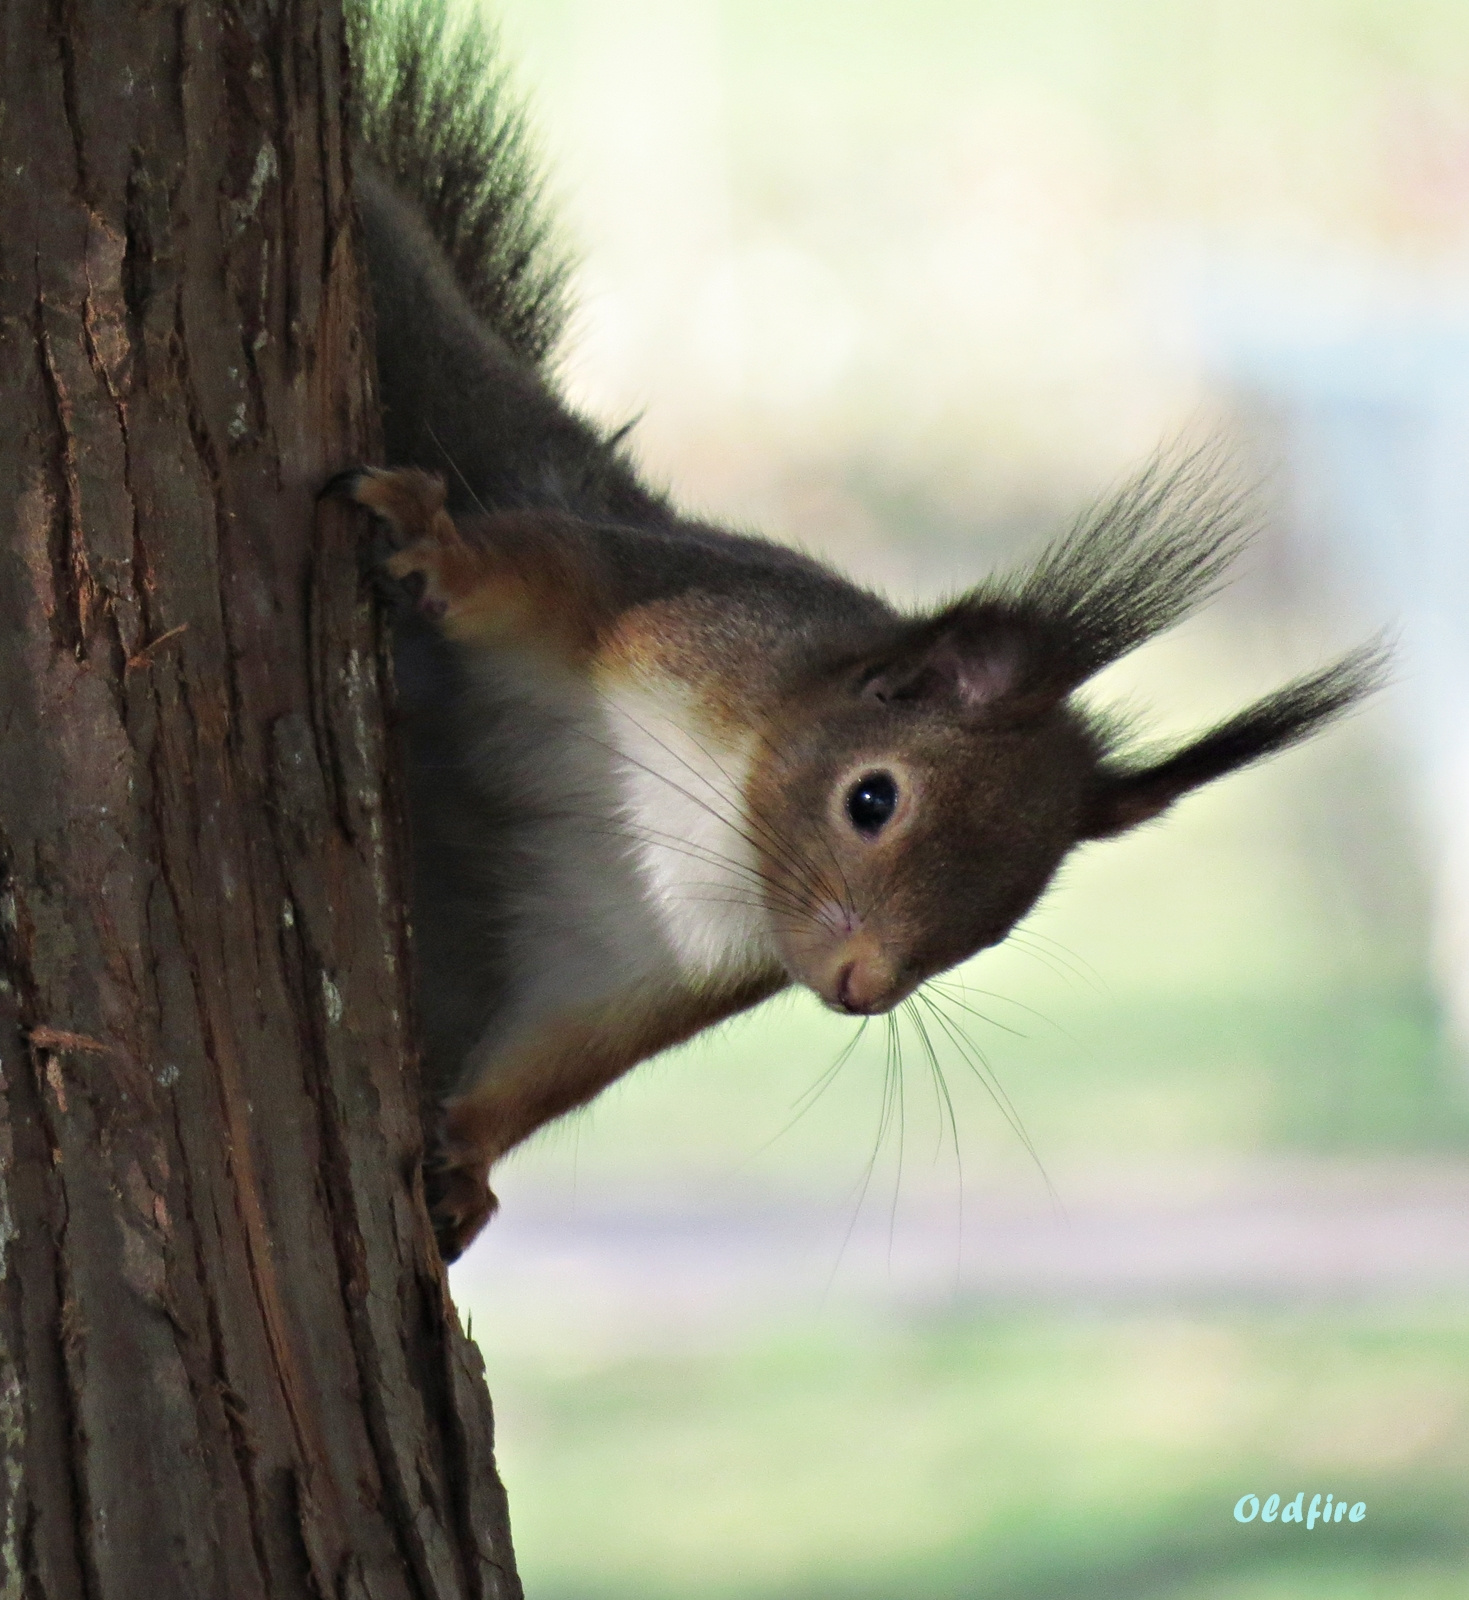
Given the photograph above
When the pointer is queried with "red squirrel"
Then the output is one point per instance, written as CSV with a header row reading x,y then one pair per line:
x,y
659,771
718,768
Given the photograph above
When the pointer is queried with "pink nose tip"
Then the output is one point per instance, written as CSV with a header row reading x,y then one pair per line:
x,y
856,990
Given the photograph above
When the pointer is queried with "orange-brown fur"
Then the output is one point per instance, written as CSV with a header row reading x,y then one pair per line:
x,y
669,639
566,1065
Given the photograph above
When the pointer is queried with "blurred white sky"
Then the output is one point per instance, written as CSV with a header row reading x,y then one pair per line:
x,y
957,246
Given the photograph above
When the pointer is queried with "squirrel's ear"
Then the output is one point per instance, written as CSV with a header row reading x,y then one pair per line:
x,y
1126,795
1124,800
961,658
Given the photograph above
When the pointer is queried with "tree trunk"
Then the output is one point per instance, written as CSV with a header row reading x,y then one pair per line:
x,y
228,1363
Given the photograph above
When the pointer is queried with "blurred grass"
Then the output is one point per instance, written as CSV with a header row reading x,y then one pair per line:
x,y
1019,1456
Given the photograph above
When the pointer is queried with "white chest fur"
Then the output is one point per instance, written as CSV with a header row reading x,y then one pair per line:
x,y
682,798
627,855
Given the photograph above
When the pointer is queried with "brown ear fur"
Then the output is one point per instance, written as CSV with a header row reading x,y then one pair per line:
x,y
969,656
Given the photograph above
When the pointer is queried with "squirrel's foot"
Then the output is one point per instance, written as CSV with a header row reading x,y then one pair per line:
x,y
460,1202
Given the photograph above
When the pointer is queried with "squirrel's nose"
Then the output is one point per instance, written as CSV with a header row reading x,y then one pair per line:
x,y
855,974
861,989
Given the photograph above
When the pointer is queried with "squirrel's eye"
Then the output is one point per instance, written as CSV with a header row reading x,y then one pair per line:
x,y
871,801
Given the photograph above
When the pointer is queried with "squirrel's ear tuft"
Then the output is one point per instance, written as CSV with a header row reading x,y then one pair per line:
x,y
1128,793
1130,569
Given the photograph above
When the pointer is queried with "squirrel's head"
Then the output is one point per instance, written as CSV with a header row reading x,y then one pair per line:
x,y
913,800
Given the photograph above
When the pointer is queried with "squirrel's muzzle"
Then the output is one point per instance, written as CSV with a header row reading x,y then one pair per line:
x,y
852,974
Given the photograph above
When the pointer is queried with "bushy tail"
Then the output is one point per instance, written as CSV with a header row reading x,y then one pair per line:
x,y
435,111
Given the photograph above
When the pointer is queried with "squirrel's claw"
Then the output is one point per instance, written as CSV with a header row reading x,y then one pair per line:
x,y
343,485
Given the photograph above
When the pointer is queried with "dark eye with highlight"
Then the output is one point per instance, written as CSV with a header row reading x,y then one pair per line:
x,y
871,802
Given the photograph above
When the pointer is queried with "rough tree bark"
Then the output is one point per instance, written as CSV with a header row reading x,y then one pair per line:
x,y
228,1364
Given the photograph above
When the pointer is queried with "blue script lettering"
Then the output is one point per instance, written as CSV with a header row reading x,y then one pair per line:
x,y
1248,1507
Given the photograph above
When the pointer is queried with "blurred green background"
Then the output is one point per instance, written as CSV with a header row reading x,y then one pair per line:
x,y
909,285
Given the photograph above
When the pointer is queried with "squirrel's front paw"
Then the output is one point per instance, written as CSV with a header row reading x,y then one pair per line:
x,y
459,1203
410,502
424,543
